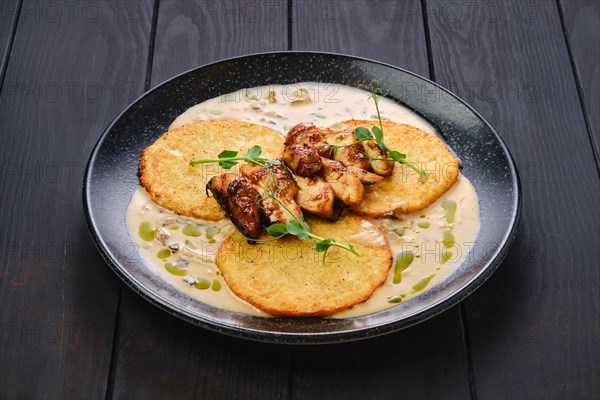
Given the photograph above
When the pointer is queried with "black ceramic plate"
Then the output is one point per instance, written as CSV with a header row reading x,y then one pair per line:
x,y
111,178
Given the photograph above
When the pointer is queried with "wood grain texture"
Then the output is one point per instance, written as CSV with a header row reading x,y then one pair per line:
x,y
534,325
582,24
9,13
384,30
384,367
190,34
68,77
158,355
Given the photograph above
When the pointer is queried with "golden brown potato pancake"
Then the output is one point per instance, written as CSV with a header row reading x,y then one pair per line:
x,y
405,192
286,277
172,183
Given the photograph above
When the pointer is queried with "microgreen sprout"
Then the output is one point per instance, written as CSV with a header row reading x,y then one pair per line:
x,y
376,133
229,158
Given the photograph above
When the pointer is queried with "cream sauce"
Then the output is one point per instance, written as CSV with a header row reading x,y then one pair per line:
x,y
427,246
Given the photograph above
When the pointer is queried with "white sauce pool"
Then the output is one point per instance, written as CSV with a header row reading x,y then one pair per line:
x,y
427,247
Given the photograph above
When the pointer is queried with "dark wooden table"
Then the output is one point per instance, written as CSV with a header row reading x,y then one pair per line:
x,y
70,329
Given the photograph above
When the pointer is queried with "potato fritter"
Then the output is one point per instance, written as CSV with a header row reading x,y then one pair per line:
x,y
172,183
286,277
405,191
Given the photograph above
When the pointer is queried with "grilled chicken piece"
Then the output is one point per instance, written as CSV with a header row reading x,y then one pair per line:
x,y
315,196
279,182
239,199
347,186
302,159
309,134
380,167
366,177
352,155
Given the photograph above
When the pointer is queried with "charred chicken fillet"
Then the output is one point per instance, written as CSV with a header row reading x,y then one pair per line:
x,y
304,147
315,196
302,159
380,167
282,185
239,199
346,185
309,134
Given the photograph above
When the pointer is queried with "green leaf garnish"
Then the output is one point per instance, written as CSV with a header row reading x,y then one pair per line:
x,y
297,229
323,245
227,154
254,152
277,230
362,133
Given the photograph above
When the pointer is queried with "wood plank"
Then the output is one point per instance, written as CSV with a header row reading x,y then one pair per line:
x,y
187,361
9,13
425,361
69,75
534,325
582,23
385,30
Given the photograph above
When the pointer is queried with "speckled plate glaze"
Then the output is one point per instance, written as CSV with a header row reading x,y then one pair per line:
x,y
111,178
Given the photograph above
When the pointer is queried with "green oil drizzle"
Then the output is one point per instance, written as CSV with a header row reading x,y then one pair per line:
x,y
445,257
424,224
216,285
448,239
403,261
450,207
395,299
202,284
174,227
163,253
399,231
190,245
319,115
146,231
174,270
211,231
192,230
422,284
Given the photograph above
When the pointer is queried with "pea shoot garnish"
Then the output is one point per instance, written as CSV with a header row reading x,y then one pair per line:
x,y
227,159
376,133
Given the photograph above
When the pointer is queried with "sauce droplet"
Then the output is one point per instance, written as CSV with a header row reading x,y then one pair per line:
x,y
403,261
445,257
211,231
190,245
395,299
424,224
422,284
174,270
163,253
216,285
202,284
192,230
146,231
450,207
448,239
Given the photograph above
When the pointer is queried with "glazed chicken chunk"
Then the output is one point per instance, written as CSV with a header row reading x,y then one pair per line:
x,y
315,196
380,167
282,185
347,186
238,198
